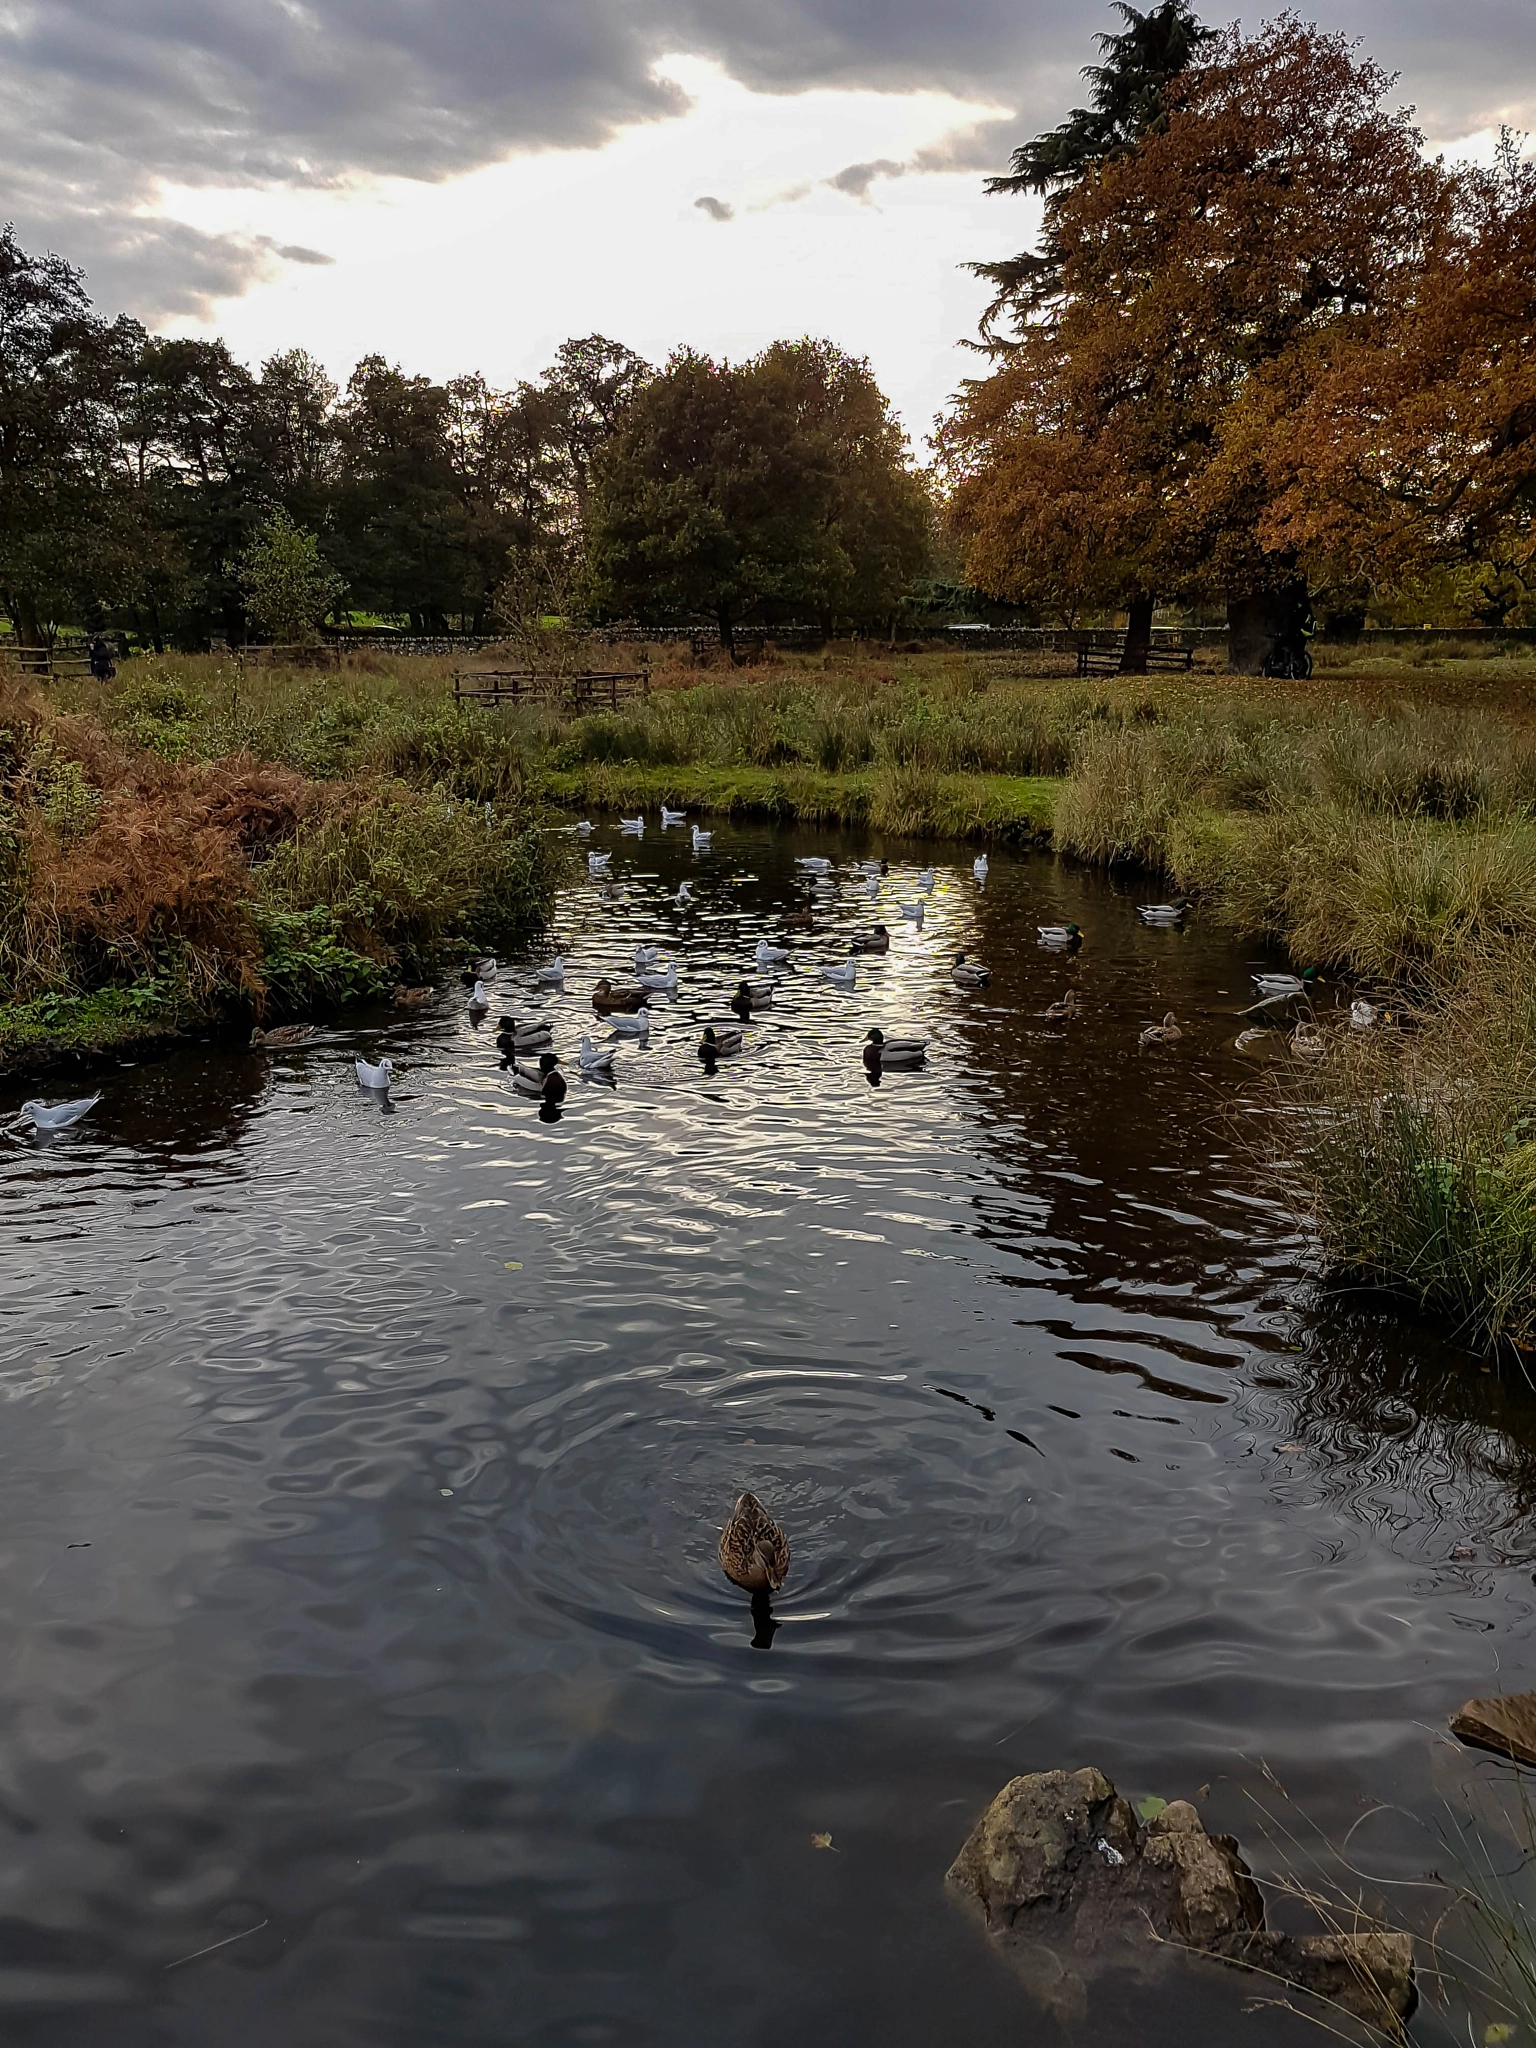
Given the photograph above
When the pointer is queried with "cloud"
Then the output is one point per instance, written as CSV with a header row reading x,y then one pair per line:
x,y
295,252
717,209
856,179
103,102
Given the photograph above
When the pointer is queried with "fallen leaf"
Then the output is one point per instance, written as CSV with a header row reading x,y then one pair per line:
x,y
1204,1789
514,1265
1150,1807
822,1842
1499,2031
1288,1447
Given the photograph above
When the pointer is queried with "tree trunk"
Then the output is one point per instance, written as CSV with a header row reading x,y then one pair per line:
x,y
727,633
1138,637
1262,622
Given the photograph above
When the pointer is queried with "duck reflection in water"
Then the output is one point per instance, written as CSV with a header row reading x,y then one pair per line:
x,y
764,1627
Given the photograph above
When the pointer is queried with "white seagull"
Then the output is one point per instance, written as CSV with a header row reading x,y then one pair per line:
x,y
815,863
479,1000
673,817
979,867
553,971
771,956
637,1026
701,840
593,1061
841,977
597,863
632,824
58,1116
373,1077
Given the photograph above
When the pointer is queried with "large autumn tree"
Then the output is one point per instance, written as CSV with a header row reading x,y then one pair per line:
x,y
1279,197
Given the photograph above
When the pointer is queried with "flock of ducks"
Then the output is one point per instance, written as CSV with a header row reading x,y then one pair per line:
x,y
625,1006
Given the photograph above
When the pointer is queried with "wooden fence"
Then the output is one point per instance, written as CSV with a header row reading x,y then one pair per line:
x,y
590,690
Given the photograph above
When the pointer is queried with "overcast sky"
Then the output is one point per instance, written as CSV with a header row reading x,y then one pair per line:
x,y
460,184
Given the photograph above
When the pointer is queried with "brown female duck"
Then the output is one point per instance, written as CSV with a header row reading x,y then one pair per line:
x,y
754,1551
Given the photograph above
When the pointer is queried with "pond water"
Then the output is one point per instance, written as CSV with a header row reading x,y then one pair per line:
x,y
363,1470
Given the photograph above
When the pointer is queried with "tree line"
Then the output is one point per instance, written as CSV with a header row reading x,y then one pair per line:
x,y
162,488
1265,353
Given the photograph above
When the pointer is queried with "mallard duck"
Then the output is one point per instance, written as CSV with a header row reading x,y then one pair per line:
x,y
1163,913
754,1551
637,1026
750,996
479,1000
979,867
770,956
606,998
411,998
968,973
58,1116
702,840
876,940
548,1083
1067,1006
526,1037
482,970
595,1061
1282,986
369,1076
1307,1042
285,1034
673,817
1059,934
1162,1034
716,1044
813,863
873,867
880,1051
841,976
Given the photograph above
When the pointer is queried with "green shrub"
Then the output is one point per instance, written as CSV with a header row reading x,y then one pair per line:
x,y
306,960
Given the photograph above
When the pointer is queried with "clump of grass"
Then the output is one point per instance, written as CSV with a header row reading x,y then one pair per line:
x,y
1413,1151
408,875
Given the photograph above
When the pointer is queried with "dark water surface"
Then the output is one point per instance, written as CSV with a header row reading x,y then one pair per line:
x,y
362,1473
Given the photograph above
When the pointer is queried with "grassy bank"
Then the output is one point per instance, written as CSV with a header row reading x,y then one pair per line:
x,y
158,869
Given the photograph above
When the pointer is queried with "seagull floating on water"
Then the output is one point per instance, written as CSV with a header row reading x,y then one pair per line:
x,y
584,827
598,863
925,880
684,894
979,867
553,970
701,840
842,976
913,911
632,824
479,1000
673,817
58,1116
646,956
371,1076
637,1026
665,982
813,863
771,956
594,1061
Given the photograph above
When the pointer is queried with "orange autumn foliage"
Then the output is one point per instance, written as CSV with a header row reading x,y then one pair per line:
x,y
1283,201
